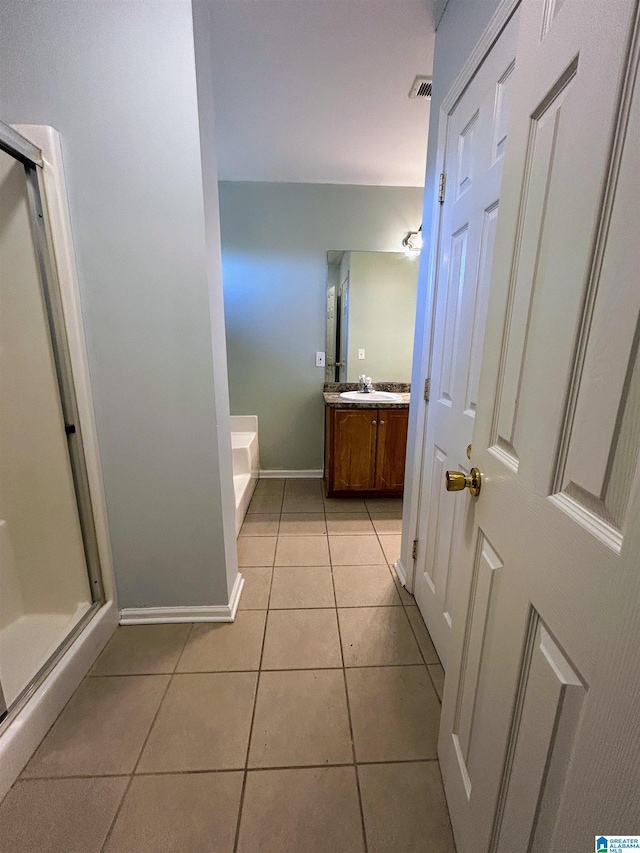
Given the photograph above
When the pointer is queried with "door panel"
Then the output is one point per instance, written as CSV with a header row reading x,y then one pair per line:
x,y
354,446
391,448
540,699
475,145
44,585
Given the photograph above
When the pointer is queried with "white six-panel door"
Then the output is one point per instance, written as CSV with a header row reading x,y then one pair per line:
x,y
475,144
539,740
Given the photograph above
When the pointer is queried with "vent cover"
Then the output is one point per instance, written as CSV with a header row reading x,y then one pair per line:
x,y
421,88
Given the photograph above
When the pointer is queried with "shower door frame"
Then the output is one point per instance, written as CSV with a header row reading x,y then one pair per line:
x,y
22,150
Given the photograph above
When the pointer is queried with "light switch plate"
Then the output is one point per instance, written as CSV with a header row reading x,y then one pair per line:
x,y
361,354
319,359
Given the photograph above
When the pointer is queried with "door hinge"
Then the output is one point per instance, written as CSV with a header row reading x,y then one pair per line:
x,y
442,187
414,550
427,389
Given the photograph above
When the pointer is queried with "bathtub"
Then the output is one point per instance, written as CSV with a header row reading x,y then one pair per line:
x,y
244,449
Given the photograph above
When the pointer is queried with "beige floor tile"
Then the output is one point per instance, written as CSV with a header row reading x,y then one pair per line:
x,y
422,635
384,513
142,650
225,646
255,592
404,808
59,815
387,522
349,522
437,676
395,713
269,487
377,636
297,587
391,546
406,597
301,639
265,504
302,503
102,729
364,586
300,718
302,551
203,724
311,810
384,504
303,524
183,813
265,524
344,505
256,550
304,487
355,551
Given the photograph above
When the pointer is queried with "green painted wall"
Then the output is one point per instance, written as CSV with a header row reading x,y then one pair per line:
x,y
275,238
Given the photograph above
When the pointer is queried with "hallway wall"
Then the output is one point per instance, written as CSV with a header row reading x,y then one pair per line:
x,y
118,81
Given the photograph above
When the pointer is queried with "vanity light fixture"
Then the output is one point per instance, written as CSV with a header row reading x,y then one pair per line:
x,y
413,243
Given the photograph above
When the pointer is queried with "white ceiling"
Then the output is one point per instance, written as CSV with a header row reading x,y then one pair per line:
x,y
316,91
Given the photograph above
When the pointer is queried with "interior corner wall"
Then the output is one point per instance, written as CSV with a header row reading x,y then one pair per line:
x,y
118,81
275,238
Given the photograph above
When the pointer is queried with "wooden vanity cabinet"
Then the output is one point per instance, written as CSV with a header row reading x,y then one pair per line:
x,y
365,451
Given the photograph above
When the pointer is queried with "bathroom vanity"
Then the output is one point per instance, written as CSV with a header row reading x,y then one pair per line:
x,y
365,444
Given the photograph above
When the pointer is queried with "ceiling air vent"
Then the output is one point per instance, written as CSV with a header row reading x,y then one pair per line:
x,y
421,87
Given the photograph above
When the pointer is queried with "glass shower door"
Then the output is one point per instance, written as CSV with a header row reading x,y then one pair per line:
x,y
44,584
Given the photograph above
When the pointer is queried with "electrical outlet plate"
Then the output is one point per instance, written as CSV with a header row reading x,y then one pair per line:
x,y
320,359
361,354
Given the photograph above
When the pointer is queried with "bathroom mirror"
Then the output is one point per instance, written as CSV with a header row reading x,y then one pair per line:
x,y
371,310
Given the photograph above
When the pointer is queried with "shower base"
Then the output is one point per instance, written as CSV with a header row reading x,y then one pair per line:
x,y
28,642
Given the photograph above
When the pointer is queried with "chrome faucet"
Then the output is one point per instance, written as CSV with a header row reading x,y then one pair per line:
x,y
365,385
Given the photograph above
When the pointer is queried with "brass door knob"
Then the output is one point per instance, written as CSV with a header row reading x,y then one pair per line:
x,y
456,481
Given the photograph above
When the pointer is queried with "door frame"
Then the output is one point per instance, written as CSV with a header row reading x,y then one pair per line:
x,y
416,507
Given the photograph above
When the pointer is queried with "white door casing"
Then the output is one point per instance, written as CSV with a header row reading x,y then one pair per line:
x,y
539,738
476,132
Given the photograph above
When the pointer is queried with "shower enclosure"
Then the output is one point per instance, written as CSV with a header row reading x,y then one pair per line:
x,y
50,580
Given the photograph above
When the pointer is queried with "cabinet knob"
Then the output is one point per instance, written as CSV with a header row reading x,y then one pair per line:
x,y
373,422
381,422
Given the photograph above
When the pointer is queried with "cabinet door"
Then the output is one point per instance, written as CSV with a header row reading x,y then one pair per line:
x,y
392,449
354,449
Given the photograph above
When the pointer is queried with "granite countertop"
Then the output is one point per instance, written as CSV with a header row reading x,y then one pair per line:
x,y
332,391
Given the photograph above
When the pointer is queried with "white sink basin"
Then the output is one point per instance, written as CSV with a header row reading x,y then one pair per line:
x,y
371,397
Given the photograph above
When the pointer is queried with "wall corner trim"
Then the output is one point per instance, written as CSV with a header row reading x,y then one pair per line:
x,y
166,615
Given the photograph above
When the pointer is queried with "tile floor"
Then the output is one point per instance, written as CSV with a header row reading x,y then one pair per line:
x,y
309,725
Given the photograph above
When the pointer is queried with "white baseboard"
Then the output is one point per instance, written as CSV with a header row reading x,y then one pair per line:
x,y
26,730
401,572
308,474
163,615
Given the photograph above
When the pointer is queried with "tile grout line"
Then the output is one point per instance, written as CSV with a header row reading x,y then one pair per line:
x,y
255,697
211,771
404,606
415,635
142,748
346,693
